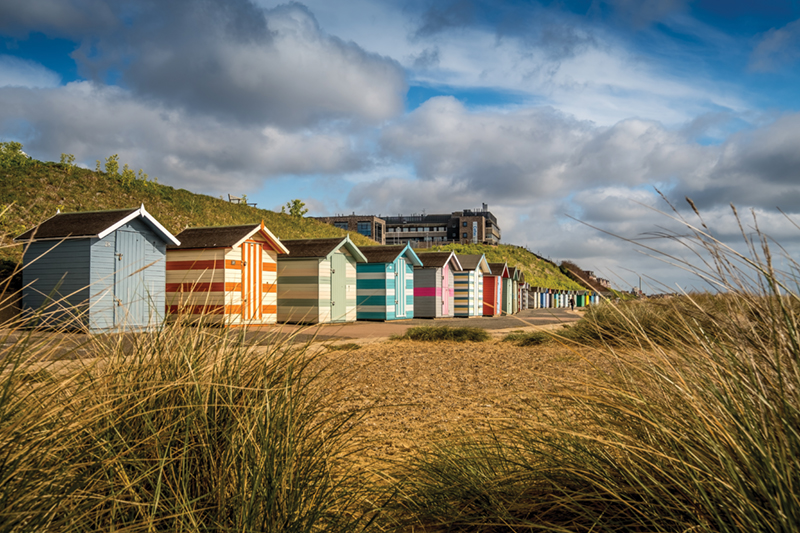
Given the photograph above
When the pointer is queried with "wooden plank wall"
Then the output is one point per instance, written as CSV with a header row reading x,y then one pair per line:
x,y
464,285
56,281
428,292
299,289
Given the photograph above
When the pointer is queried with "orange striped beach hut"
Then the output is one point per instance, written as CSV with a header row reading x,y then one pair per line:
x,y
225,275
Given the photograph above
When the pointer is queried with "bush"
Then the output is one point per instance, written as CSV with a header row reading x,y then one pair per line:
x,y
445,333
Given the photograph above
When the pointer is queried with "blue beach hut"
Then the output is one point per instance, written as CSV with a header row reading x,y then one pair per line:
x,y
97,271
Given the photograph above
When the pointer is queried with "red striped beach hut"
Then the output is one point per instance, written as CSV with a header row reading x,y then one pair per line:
x,y
225,275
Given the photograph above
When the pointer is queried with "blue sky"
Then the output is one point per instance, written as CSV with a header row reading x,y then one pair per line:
x,y
550,112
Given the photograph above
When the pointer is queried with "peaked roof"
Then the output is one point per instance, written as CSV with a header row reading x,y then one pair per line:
x,y
322,248
439,259
474,262
92,224
225,237
500,269
387,254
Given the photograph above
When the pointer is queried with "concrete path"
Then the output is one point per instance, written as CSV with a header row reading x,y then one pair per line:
x,y
527,320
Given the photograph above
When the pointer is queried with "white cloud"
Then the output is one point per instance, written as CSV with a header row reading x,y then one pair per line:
x,y
16,72
183,149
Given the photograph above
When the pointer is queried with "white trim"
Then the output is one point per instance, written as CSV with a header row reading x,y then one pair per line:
x,y
258,228
141,212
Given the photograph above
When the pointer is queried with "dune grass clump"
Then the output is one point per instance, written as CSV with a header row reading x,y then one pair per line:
x,y
183,429
687,425
445,333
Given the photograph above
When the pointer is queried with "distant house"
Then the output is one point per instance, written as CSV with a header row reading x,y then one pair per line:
x,y
469,285
98,271
317,281
434,293
224,274
385,287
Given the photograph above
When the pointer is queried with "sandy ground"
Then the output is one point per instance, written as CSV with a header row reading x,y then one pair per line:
x,y
419,393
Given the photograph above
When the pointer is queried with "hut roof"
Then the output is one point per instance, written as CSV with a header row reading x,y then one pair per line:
x,y
473,262
322,248
439,259
499,269
91,224
387,254
225,237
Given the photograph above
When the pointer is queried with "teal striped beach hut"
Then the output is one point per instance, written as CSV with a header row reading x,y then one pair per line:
x,y
317,281
385,287
469,285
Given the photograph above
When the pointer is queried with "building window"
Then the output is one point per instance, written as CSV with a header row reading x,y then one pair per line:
x,y
464,224
378,232
405,229
464,235
340,225
365,228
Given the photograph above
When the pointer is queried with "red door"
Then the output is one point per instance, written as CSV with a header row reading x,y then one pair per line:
x,y
252,260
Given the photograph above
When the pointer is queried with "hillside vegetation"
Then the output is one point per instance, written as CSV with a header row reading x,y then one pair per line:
x,y
32,191
538,272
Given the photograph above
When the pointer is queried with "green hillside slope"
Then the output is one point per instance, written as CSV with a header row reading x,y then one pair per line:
x,y
538,272
32,191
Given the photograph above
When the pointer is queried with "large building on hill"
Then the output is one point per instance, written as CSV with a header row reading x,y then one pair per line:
x,y
464,227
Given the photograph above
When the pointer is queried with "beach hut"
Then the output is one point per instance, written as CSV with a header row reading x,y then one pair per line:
x,y
508,288
98,271
224,275
514,273
433,285
493,289
317,281
469,285
523,291
385,287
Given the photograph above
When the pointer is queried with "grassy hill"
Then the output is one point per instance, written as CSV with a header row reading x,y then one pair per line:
x,y
31,191
538,272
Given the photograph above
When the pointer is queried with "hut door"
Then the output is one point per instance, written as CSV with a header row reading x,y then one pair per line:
x,y
130,292
252,265
400,288
338,288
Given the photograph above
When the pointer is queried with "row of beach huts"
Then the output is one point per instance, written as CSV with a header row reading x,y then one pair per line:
x,y
107,270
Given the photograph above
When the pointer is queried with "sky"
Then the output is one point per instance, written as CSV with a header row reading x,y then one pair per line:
x,y
584,125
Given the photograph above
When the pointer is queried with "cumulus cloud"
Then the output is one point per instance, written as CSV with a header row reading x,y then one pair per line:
x,y
228,58
60,18
187,149
777,48
15,72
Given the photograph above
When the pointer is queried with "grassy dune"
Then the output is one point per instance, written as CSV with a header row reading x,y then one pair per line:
x,y
33,191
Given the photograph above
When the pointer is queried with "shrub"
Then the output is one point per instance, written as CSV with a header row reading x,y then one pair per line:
x,y
445,333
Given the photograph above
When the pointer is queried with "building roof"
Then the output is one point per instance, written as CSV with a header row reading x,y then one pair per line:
x,y
439,259
91,224
322,248
474,262
225,237
387,254
500,269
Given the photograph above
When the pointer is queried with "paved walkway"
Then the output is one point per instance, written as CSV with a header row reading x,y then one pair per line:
x,y
526,320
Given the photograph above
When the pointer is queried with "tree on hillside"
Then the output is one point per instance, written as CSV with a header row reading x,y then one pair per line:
x,y
296,208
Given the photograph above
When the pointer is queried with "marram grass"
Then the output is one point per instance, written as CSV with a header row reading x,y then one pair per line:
x,y
690,423
183,429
